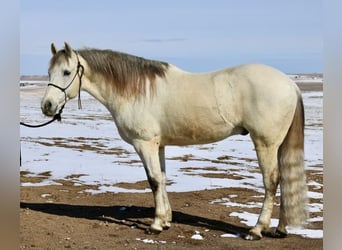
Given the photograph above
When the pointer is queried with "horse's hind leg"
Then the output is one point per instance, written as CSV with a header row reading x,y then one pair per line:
x,y
267,157
152,157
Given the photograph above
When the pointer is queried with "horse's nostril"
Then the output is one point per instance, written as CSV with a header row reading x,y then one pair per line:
x,y
47,105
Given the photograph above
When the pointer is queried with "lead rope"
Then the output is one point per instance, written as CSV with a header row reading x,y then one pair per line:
x,y
57,117
79,66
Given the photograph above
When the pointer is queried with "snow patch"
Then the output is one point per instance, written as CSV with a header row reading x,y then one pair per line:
x,y
197,236
250,220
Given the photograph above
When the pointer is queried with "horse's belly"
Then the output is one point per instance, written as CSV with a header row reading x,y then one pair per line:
x,y
193,133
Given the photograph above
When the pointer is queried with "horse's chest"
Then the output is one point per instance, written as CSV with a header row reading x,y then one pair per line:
x,y
139,126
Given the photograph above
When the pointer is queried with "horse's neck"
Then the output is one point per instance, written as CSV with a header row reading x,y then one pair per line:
x,y
99,90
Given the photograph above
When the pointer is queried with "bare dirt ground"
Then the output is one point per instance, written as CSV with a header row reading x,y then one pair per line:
x,y
62,216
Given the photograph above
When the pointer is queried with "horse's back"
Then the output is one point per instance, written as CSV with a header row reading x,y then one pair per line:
x,y
202,108
259,77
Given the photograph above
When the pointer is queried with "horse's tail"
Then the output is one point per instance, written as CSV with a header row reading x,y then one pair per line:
x,y
292,174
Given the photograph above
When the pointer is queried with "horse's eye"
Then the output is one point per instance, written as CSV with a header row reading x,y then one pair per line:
x,y
66,72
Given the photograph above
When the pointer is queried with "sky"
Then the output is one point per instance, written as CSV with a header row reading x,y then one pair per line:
x,y
197,36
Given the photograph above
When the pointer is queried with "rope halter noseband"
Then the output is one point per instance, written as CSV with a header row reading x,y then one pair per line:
x,y
79,73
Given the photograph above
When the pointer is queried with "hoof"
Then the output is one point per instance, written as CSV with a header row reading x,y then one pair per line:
x,y
157,228
279,234
152,231
166,226
252,236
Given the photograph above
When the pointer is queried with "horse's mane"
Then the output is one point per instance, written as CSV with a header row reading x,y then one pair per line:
x,y
126,73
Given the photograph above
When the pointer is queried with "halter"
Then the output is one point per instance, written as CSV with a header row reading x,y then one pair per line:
x,y
58,116
78,73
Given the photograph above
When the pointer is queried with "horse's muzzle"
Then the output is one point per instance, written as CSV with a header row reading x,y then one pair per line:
x,y
48,108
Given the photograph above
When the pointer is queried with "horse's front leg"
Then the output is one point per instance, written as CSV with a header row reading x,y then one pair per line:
x,y
152,156
163,189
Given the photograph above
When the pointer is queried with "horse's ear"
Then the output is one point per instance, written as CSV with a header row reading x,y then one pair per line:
x,y
68,49
53,49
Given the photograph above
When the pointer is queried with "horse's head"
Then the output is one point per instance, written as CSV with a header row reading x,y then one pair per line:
x,y
65,74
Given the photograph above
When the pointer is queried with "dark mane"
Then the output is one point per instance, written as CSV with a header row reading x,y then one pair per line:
x,y
126,73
